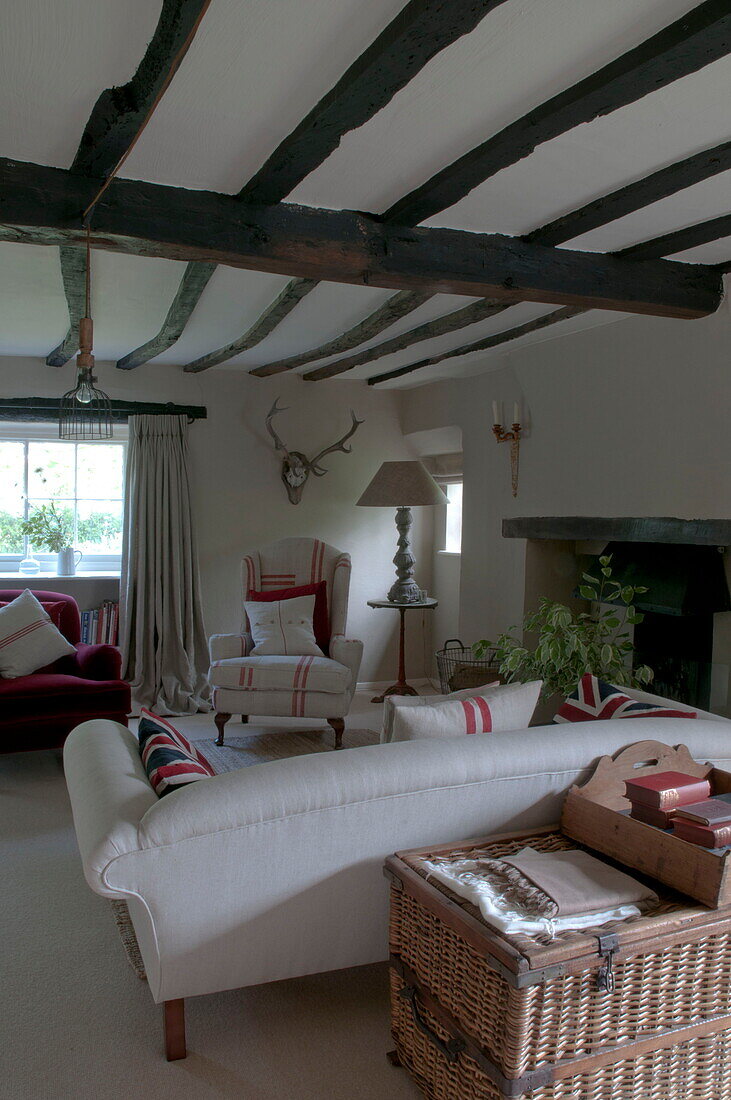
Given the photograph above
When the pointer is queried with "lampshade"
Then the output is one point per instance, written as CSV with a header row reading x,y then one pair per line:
x,y
402,484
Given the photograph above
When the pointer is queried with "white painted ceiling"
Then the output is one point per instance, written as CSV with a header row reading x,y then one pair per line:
x,y
254,70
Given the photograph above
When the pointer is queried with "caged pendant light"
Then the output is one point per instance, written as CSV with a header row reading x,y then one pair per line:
x,y
85,411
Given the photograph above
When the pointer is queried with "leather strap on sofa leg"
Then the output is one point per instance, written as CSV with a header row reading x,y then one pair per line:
x,y
174,1014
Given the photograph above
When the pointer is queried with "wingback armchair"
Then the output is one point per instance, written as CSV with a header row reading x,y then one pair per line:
x,y
289,687
39,710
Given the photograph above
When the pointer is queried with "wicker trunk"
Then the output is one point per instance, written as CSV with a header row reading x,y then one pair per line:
x,y
635,1010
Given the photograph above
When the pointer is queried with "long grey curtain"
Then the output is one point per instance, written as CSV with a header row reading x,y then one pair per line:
x,y
164,648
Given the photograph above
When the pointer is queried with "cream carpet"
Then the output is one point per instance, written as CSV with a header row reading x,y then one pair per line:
x,y
77,1023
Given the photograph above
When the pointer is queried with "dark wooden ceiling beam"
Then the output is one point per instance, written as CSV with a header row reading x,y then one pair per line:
x,y
683,47
417,34
600,211
73,274
626,200
39,204
193,283
441,326
116,121
272,316
393,309
617,204
702,233
481,345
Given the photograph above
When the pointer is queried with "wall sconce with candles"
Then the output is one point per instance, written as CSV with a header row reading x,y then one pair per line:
x,y
511,436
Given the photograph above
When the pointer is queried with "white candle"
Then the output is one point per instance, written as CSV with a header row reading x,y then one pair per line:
x,y
516,413
495,414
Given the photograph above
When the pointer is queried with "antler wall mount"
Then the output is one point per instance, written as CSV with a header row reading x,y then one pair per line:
x,y
296,466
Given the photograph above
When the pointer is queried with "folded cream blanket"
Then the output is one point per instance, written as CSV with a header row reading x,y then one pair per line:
x,y
543,893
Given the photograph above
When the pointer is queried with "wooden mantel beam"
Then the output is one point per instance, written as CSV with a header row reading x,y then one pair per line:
x,y
42,205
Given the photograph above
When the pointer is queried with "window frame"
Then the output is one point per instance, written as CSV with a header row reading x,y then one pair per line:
x,y
47,431
444,483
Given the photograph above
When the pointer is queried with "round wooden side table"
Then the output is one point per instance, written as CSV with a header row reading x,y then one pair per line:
x,y
401,687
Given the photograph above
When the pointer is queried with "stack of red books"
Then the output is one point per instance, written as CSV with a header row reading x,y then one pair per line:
x,y
683,803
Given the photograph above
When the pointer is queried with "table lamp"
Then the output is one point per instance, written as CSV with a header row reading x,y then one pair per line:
x,y
403,486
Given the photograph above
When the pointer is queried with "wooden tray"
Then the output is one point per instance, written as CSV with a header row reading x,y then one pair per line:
x,y
593,814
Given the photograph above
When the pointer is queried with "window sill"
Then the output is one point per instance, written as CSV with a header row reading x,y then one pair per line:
x,y
87,576
451,553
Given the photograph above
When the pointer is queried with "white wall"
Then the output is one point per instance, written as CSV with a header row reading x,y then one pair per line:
x,y
631,418
240,502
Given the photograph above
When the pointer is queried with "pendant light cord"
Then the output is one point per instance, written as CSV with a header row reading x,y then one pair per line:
x,y
88,271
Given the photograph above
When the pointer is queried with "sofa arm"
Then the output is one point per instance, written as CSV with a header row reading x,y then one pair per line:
x,y
349,652
223,646
109,793
97,662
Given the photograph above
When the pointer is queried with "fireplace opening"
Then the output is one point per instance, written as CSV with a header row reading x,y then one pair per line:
x,y
686,587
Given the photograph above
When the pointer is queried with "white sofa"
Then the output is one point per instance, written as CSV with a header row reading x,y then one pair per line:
x,y
275,871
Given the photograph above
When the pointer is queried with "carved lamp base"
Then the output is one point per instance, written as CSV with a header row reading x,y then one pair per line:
x,y
404,589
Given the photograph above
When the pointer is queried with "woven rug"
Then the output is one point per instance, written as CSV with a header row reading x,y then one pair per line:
x,y
258,748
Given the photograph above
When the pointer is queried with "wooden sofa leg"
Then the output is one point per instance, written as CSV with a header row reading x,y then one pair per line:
x,y
221,719
174,1012
338,724
244,719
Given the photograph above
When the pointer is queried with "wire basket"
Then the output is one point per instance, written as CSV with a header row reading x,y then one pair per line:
x,y
460,669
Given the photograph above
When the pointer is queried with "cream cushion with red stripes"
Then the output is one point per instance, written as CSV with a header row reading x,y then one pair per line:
x,y
28,638
494,710
283,627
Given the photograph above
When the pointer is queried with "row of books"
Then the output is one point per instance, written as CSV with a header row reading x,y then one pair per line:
x,y
100,626
683,803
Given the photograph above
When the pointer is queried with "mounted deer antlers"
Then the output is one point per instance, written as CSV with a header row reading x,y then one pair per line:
x,y
297,467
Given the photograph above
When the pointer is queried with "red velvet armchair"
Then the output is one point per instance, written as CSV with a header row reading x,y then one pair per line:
x,y
40,710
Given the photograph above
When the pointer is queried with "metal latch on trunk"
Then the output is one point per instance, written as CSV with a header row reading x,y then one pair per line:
x,y
608,948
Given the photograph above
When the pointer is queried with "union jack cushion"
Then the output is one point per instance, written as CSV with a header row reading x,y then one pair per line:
x,y
594,699
169,759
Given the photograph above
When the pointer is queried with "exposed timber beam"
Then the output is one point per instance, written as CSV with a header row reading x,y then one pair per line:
x,y
392,310
117,119
264,324
450,322
617,204
482,345
683,47
702,233
40,205
420,31
664,55
626,200
73,273
194,282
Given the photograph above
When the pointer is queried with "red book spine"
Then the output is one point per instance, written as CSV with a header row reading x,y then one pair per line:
x,y
658,818
718,836
670,798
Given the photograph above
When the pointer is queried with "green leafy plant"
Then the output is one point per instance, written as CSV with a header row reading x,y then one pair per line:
x,y
570,644
48,529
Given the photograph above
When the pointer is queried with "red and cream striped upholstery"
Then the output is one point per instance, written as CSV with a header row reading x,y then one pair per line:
x,y
313,687
295,561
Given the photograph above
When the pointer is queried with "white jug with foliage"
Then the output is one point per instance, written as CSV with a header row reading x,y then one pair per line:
x,y
51,530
